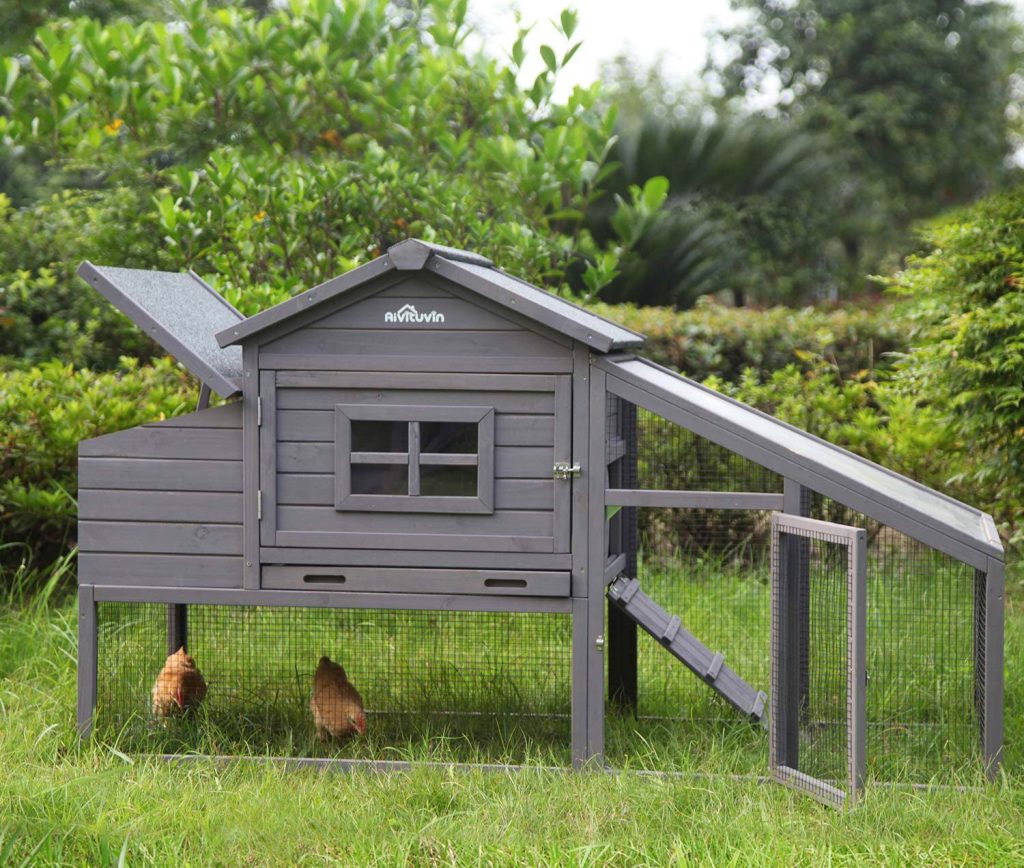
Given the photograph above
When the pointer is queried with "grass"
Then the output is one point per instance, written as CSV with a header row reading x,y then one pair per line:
x,y
98,802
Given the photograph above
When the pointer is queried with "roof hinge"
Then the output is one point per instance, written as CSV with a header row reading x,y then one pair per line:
x,y
259,411
259,506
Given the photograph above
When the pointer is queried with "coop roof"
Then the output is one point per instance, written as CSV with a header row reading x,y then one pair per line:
x,y
181,313
468,270
882,494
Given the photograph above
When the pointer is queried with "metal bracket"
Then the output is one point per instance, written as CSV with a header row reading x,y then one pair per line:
x,y
599,643
564,470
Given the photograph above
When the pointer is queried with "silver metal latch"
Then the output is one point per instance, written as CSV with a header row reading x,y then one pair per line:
x,y
564,470
599,643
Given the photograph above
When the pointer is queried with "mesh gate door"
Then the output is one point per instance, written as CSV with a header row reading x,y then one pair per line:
x,y
818,658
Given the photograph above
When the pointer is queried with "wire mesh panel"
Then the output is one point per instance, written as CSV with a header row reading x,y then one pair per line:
x,y
716,582
817,644
925,661
671,457
466,686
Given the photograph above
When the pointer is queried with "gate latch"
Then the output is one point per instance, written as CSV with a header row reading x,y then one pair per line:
x,y
564,470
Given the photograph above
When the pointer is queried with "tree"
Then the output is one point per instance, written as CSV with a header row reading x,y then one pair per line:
x,y
913,92
749,198
968,295
274,152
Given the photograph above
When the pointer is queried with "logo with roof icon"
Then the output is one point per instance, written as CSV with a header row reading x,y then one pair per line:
x,y
407,313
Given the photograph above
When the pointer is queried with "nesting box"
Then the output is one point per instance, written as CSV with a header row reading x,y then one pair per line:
x,y
427,433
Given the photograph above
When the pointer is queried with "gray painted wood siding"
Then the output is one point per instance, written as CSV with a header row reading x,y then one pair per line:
x,y
419,325
161,504
303,453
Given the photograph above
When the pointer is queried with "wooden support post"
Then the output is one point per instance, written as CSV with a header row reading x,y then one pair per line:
x,y
87,662
992,666
595,475
177,627
622,630
797,501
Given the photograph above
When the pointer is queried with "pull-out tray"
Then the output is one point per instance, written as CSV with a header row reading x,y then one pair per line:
x,y
412,580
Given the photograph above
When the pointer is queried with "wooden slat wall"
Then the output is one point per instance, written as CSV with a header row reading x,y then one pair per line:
x,y
524,454
471,337
162,503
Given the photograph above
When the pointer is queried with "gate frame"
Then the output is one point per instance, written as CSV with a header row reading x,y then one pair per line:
x,y
790,588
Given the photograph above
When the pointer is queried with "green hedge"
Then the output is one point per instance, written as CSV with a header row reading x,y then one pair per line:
x,y
45,412
715,340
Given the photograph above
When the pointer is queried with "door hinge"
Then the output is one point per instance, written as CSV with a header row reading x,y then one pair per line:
x,y
259,506
259,412
564,470
599,643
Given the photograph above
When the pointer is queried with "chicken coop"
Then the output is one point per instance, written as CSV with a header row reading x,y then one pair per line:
x,y
524,543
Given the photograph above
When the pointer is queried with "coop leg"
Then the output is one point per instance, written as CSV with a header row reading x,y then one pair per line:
x,y
177,627
622,649
622,667
87,651
579,682
992,671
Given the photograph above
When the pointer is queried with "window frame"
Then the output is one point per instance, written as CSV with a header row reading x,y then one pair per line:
x,y
345,499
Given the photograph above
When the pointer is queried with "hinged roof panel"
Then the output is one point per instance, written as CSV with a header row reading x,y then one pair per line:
x,y
867,487
465,269
181,313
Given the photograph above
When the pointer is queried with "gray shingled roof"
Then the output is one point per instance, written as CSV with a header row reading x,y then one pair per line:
x,y
181,313
469,270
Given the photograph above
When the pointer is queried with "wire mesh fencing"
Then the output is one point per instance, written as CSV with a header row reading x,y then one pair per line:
x,y
922,643
925,611
463,686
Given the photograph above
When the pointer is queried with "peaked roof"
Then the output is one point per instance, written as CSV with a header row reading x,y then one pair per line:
x,y
468,270
181,313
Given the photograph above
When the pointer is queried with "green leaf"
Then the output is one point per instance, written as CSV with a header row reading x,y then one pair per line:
x,y
548,55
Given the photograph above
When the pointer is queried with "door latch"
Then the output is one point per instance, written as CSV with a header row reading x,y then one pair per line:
x,y
564,470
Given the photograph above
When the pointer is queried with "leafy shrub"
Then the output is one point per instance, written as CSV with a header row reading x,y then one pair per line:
x,y
715,340
874,418
323,133
46,411
968,358
45,310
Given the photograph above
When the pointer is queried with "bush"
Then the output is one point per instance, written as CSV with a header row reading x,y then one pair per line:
x,y
715,340
46,311
873,417
46,411
968,357
323,133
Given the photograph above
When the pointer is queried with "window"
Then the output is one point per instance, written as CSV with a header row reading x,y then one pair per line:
x,y
414,458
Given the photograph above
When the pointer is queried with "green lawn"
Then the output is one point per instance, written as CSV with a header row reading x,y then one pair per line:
x,y
66,802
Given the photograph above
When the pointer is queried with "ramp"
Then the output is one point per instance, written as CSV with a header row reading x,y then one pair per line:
x,y
687,648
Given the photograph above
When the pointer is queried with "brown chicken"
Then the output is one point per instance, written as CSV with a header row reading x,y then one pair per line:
x,y
179,686
336,705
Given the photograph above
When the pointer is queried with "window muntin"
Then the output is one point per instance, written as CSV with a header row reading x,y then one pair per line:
x,y
414,458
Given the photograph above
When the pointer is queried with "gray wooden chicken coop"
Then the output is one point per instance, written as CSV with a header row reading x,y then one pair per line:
x,y
428,432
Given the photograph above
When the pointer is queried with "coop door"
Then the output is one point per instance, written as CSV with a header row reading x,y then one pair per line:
x,y
437,462
818,658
